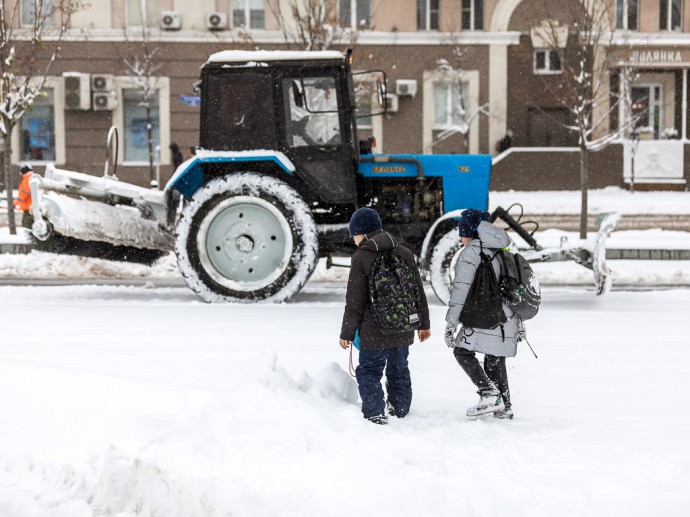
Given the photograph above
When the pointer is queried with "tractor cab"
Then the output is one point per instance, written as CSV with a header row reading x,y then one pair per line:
x,y
300,104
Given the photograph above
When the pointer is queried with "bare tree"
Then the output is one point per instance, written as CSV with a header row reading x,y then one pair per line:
x,y
312,24
577,36
29,44
143,63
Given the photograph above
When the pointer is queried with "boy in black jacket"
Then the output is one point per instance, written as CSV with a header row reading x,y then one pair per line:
x,y
378,350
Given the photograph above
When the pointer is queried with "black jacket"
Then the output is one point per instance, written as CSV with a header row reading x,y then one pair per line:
x,y
358,313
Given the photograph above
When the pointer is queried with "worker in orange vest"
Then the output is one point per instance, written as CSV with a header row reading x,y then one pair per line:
x,y
23,201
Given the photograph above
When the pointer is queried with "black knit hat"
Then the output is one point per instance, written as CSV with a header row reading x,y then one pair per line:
x,y
364,221
469,222
25,168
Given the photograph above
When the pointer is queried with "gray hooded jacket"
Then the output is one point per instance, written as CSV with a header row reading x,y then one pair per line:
x,y
486,341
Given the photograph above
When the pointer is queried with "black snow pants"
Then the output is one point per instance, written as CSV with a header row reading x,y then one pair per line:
x,y
494,372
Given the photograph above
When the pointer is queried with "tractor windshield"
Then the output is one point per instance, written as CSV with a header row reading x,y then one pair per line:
x,y
311,111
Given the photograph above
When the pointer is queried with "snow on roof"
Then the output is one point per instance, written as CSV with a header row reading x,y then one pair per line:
x,y
241,56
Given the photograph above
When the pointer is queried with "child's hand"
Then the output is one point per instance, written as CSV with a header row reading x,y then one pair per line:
x,y
344,344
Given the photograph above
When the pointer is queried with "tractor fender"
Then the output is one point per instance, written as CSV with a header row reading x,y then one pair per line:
x,y
189,176
429,238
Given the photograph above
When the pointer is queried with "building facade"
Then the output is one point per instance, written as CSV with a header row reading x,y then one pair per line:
x,y
461,74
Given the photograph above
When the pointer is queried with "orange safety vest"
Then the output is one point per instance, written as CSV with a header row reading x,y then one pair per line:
x,y
23,201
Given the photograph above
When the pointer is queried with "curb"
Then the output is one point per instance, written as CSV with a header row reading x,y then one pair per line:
x,y
17,248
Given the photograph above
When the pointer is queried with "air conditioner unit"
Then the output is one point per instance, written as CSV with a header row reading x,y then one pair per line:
x,y
391,103
170,20
101,82
406,87
77,91
217,21
104,101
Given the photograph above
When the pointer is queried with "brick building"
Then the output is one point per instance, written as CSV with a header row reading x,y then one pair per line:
x,y
438,55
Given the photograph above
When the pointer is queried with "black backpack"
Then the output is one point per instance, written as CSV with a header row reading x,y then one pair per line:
x,y
519,285
394,293
483,308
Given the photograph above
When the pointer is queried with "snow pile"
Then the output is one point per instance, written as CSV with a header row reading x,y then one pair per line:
x,y
51,266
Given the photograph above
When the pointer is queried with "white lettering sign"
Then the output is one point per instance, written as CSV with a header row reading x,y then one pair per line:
x,y
655,56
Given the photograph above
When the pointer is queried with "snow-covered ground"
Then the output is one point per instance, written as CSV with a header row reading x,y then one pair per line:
x,y
143,401
610,199
139,401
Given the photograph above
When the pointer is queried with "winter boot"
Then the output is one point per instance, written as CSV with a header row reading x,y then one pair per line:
x,y
379,419
394,412
490,401
506,414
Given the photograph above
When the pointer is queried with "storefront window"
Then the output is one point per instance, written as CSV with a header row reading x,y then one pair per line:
x,y
37,129
646,108
670,15
626,14
248,10
135,126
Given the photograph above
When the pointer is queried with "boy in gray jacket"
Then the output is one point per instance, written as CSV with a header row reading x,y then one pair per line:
x,y
496,344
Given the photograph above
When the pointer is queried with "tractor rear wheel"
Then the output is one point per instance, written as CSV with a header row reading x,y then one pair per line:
x,y
442,264
244,238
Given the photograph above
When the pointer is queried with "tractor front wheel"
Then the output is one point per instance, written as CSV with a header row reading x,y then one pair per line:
x,y
246,237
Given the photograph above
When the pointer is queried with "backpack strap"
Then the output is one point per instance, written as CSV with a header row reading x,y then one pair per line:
x,y
518,268
504,264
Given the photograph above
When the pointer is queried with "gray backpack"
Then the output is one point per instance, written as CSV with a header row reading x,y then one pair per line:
x,y
519,285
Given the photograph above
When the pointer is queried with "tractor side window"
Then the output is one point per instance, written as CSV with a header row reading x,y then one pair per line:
x,y
311,111
240,113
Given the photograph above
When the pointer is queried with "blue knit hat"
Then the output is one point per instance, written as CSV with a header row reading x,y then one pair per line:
x,y
469,222
364,221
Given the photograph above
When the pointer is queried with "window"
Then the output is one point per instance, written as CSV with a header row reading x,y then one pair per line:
x,y
449,105
364,100
646,107
354,13
46,18
547,61
626,14
136,136
37,129
473,15
251,11
242,116
138,9
316,121
670,15
427,15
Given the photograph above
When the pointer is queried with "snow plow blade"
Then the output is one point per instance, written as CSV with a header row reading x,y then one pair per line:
x,y
592,255
79,214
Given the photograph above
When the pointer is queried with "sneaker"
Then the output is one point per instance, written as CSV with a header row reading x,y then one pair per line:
x,y
506,414
489,402
379,419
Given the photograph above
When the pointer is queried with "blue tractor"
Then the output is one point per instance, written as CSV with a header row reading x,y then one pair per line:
x,y
278,172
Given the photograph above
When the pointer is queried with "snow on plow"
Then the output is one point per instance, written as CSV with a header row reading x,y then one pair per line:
x,y
81,214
